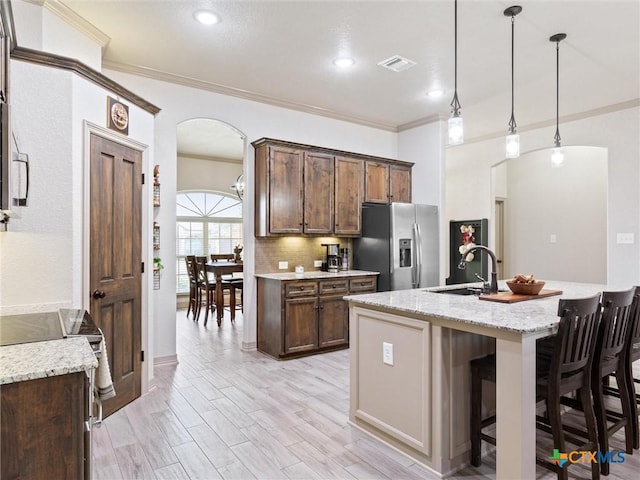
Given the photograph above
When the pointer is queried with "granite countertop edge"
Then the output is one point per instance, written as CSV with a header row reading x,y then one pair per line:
x,y
521,317
30,361
314,275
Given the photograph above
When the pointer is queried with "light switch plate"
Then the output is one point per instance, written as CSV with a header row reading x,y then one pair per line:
x,y
553,238
627,238
317,263
387,353
283,265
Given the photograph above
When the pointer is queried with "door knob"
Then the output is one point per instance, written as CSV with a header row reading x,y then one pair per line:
x,y
99,294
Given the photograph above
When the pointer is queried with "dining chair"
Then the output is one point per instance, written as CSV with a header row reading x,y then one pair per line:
x,y
206,288
193,285
226,284
566,370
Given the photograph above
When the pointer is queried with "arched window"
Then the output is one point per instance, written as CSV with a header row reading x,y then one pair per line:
x,y
206,223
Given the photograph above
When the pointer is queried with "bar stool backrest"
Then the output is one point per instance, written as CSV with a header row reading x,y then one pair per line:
x,y
614,325
575,341
634,327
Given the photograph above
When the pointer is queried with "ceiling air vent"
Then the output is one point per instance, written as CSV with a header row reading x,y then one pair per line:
x,y
397,63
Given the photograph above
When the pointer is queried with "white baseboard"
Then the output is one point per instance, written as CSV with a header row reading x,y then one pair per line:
x,y
249,346
165,360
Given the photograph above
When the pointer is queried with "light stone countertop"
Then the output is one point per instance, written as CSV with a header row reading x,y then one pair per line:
x,y
28,361
314,275
526,316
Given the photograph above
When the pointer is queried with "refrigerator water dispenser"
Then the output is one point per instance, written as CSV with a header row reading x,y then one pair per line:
x,y
405,252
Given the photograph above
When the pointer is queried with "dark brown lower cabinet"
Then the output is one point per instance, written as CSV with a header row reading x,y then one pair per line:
x,y
42,428
303,317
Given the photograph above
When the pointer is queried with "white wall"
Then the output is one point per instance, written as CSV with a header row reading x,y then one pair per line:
x,y
40,29
44,253
568,203
253,120
468,180
424,145
199,174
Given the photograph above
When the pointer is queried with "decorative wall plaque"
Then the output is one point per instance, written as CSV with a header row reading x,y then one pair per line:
x,y
117,116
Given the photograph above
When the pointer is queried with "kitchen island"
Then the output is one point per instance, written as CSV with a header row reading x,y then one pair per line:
x,y
410,379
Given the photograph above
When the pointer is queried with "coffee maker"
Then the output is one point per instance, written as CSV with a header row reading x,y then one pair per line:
x,y
332,258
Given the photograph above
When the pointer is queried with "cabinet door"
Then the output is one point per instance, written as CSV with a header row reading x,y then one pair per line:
x,y
42,428
349,181
285,190
399,184
333,322
318,193
376,182
300,325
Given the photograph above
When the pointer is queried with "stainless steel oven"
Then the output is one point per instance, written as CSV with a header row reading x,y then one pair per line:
x,y
78,323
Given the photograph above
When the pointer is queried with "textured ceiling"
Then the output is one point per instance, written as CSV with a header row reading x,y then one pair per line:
x,y
281,52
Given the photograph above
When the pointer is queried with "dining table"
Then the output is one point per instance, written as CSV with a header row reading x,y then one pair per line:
x,y
218,269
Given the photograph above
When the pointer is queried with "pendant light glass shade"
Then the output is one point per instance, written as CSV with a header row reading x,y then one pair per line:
x,y
455,124
456,131
512,145
557,155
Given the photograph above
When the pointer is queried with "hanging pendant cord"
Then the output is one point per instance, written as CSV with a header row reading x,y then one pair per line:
x,y
557,135
512,121
455,104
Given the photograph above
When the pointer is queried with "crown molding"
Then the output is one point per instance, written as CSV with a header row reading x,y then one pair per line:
x,y
76,21
595,112
436,117
241,93
75,66
194,156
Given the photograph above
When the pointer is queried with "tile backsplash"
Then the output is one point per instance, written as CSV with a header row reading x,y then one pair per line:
x,y
294,250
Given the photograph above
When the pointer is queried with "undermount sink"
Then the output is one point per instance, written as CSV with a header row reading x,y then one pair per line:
x,y
465,291
461,291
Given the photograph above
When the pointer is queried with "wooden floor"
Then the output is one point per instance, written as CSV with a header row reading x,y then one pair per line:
x,y
224,413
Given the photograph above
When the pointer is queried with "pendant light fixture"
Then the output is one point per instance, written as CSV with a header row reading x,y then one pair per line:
x,y
513,139
455,125
557,155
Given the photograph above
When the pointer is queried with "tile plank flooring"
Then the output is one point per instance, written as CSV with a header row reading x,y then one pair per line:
x,y
222,413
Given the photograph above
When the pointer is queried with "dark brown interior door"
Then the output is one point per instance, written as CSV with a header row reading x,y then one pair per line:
x,y
116,261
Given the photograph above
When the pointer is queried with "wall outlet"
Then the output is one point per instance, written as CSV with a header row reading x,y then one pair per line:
x,y
625,238
283,265
553,238
387,353
317,263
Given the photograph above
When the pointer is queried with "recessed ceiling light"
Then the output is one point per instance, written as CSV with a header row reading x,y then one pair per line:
x,y
344,62
206,17
435,93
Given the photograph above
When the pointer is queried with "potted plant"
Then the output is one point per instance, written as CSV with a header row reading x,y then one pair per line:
x,y
157,264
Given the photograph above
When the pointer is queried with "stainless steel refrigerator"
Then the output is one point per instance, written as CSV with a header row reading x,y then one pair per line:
x,y
399,240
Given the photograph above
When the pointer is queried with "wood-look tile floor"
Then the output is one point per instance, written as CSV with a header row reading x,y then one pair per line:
x,y
222,413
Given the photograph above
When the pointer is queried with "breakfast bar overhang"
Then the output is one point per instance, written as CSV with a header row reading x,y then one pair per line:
x,y
409,386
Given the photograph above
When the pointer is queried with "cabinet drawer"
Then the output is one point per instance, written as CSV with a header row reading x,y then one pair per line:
x,y
363,284
333,286
300,289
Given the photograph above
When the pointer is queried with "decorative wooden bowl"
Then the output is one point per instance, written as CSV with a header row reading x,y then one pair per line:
x,y
525,288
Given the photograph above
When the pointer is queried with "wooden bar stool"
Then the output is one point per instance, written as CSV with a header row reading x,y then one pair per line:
x,y
566,370
609,359
631,354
